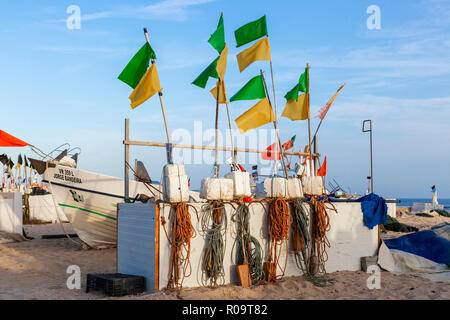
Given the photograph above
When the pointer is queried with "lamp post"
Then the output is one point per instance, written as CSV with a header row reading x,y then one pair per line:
x,y
371,166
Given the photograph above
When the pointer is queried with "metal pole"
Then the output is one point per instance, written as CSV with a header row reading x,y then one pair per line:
x,y
127,160
371,154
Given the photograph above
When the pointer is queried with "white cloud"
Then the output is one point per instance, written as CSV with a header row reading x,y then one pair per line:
x,y
174,10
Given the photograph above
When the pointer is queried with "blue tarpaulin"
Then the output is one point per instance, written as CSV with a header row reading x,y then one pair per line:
x,y
433,244
374,209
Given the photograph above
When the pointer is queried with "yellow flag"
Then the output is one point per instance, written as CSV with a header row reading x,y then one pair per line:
x,y
222,92
297,110
147,87
222,62
260,51
258,115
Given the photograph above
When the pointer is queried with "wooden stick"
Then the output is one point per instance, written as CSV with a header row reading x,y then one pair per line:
x,y
309,125
231,132
216,155
275,126
191,146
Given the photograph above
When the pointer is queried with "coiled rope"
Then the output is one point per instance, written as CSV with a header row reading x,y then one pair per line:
x,y
248,249
301,238
318,256
214,227
279,222
182,233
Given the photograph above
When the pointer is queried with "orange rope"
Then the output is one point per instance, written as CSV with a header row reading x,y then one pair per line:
x,y
182,232
279,222
320,226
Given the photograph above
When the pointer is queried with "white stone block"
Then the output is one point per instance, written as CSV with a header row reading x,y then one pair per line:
x,y
216,189
275,187
294,188
241,183
313,185
175,183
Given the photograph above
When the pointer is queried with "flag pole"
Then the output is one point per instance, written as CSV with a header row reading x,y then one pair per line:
x,y
169,141
309,125
216,155
275,126
231,132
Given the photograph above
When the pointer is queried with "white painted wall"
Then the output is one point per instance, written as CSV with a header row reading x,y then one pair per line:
x,y
392,209
350,240
11,215
42,208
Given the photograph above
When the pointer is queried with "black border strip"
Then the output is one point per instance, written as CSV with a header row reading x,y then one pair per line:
x,y
86,190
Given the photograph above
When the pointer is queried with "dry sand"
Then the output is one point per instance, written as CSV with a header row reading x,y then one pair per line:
x,y
36,269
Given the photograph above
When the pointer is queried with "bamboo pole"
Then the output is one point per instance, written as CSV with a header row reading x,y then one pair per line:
x,y
233,155
191,146
276,128
309,125
163,110
216,153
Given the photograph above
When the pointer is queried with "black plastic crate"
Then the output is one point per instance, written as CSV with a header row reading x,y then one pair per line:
x,y
116,284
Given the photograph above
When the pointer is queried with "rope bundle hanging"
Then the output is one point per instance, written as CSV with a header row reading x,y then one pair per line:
x,y
213,226
182,233
320,224
248,249
279,225
301,238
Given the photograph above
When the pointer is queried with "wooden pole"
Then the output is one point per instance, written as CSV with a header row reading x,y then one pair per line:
x,y
233,155
275,126
191,146
216,153
127,160
274,96
309,125
169,140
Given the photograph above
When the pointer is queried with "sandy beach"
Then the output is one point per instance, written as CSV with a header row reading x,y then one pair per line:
x,y
36,269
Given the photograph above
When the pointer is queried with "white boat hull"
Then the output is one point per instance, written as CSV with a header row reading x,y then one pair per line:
x,y
89,200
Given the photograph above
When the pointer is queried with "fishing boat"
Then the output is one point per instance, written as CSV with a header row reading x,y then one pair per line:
x,y
89,199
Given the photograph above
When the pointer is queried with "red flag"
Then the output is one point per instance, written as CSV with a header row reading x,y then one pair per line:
x,y
323,169
289,144
323,111
272,151
7,140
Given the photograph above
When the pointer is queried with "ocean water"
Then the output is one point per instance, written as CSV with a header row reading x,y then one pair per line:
x,y
408,202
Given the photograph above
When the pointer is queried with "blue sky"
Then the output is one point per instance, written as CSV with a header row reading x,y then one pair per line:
x,y
60,85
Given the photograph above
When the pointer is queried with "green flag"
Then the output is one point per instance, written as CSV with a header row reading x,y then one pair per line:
x,y
217,39
251,31
210,71
137,66
302,86
254,89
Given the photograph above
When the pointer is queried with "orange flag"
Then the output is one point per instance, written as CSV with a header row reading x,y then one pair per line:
x,y
323,169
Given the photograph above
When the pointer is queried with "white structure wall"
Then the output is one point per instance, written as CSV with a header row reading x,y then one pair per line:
x,y
11,214
42,208
349,238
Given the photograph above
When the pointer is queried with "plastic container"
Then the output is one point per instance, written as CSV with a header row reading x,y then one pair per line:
x,y
116,284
